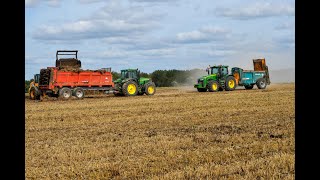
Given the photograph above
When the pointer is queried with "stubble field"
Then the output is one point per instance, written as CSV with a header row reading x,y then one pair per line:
x,y
178,133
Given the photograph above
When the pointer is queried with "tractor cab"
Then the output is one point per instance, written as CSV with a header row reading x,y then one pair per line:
x,y
219,70
130,74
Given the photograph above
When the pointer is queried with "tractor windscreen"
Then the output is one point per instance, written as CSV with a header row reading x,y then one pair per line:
x,y
128,74
124,74
214,70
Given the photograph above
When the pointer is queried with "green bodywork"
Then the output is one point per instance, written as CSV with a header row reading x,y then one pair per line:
x,y
131,75
215,73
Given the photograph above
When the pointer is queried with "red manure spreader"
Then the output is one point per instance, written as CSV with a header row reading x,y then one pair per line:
x,y
67,79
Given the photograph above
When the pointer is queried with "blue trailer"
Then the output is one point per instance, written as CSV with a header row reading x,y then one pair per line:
x,y
248,78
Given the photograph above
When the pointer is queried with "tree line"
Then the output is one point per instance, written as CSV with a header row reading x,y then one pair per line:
x,y
162,78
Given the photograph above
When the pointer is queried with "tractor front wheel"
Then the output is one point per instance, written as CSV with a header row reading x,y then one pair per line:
x,y
261,83
213,86
150,89
130,88
230,83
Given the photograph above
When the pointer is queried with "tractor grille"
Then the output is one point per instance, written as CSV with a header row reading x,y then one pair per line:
x,y
44,77
200,82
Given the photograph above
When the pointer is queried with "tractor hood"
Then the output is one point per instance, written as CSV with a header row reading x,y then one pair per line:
x,y
117,80
207,77
142,80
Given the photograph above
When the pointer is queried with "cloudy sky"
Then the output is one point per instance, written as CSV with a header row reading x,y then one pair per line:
x,y
160,34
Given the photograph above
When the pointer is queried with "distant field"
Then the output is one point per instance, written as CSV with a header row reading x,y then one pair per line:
x,y
178,133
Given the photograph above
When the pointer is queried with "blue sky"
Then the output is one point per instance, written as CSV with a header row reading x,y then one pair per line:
x,y
160,34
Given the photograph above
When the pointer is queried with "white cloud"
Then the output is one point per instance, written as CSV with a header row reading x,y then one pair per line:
x,y
286,26
258,10
154,1
161,52
216,53
33,3
112,20
53,3
90,1
114,53
205,34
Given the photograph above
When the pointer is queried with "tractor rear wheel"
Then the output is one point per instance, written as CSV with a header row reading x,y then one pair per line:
x,y
78,93
213,86
130,88
65,93
261,83
202,89
248,86
150,89
230,83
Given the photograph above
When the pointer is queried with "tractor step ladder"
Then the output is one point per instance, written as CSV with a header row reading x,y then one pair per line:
x,y
222,83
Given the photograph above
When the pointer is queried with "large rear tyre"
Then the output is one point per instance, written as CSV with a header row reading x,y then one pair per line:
x,y
202,89
261,83
213,86
65,93
78,93
130,88
230,83
150,89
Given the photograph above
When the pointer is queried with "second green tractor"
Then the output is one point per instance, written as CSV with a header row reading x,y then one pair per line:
x,y
131,84
217,79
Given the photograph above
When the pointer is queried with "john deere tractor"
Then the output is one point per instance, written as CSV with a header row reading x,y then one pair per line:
x,y
218,79
130,84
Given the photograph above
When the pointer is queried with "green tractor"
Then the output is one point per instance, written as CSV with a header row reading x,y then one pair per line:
x,y
130,84
218,79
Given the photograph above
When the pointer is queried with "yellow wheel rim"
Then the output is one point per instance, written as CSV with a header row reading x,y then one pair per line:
x,y
231,83
214,86
132,89
150,89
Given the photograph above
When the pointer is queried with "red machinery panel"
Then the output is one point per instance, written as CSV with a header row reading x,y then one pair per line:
x,y
78,78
